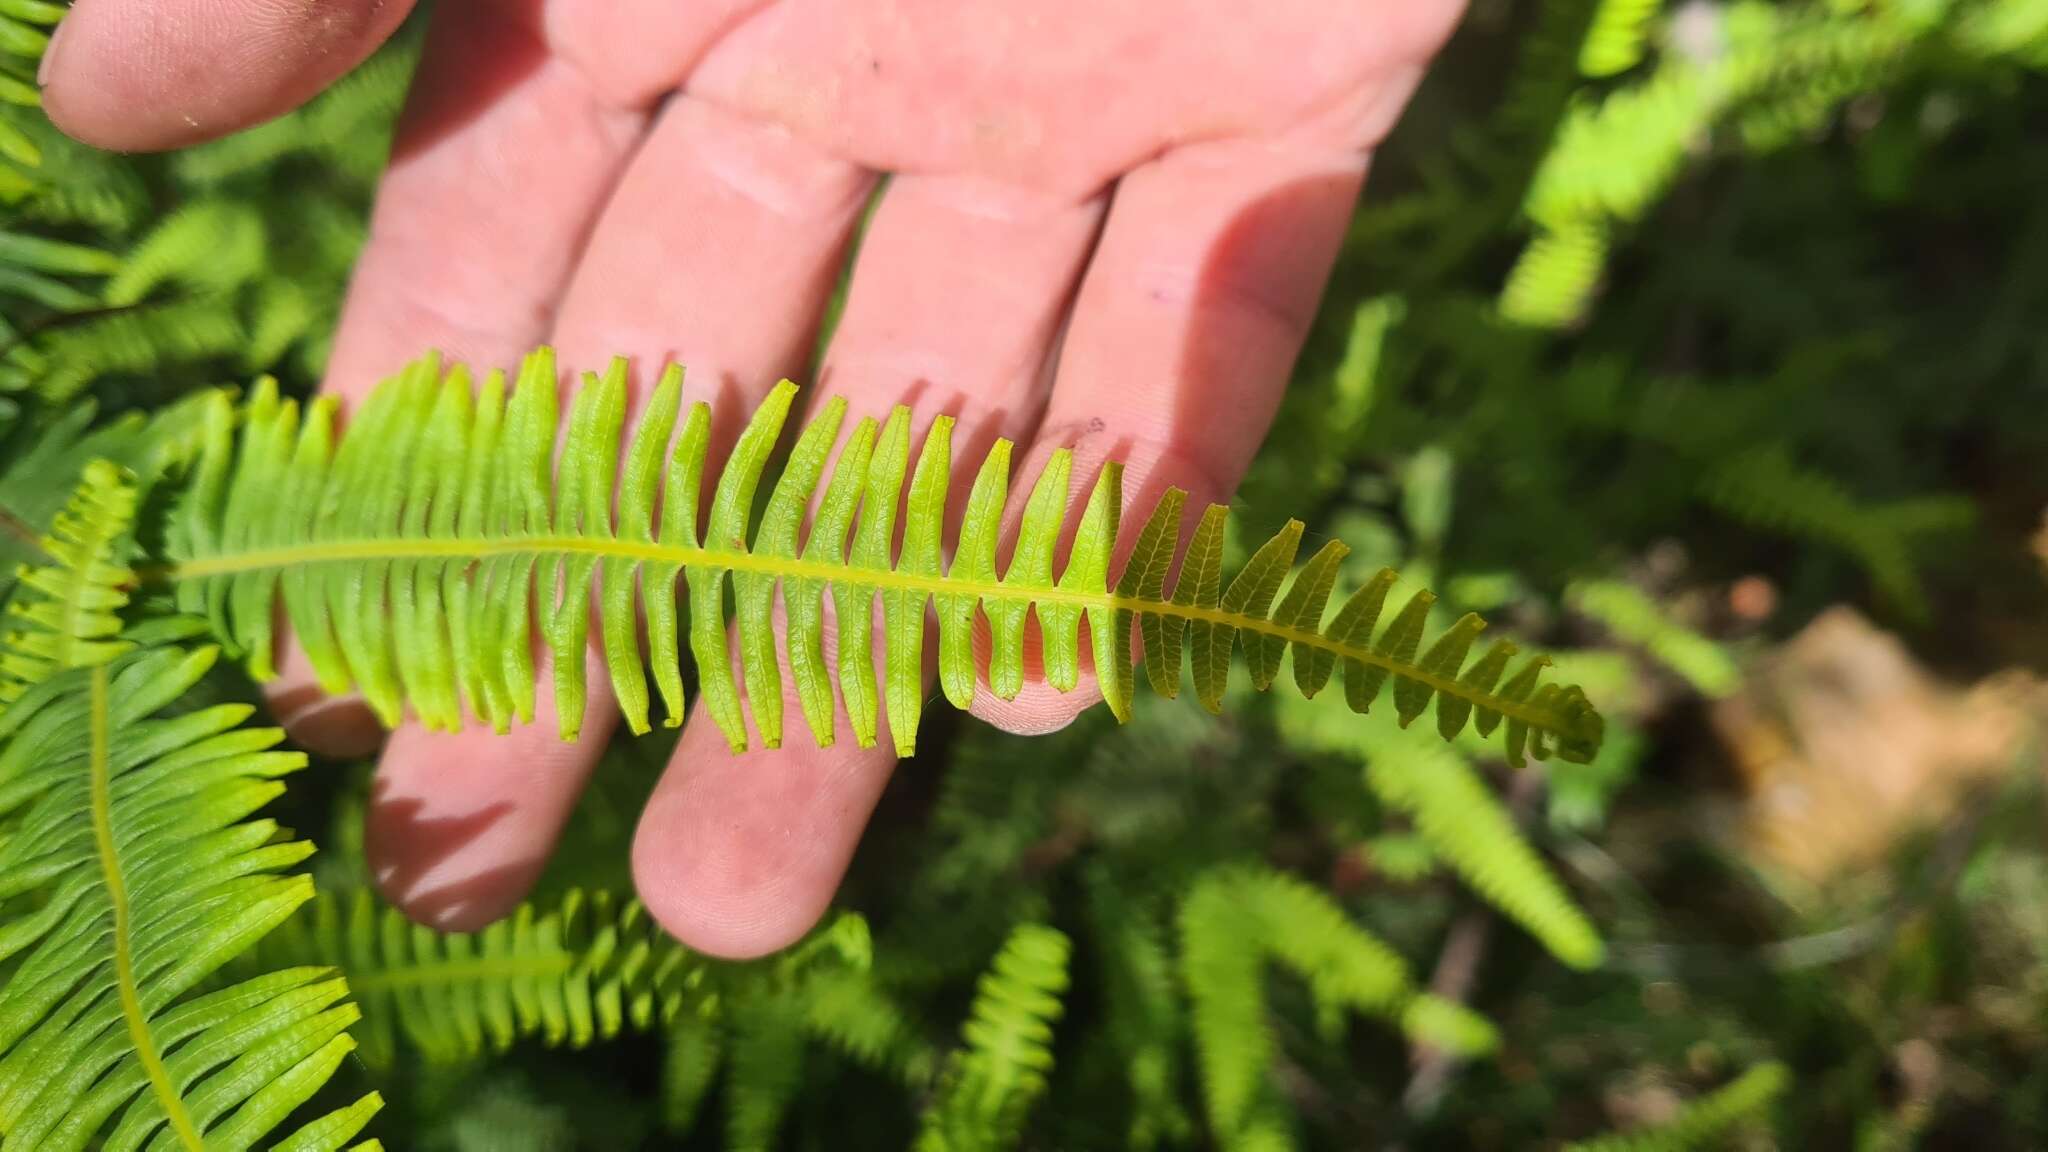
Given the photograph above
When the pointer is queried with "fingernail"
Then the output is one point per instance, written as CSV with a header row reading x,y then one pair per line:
x,y
50,54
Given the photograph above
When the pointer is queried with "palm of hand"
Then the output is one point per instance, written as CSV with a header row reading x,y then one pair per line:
x,y
1107,228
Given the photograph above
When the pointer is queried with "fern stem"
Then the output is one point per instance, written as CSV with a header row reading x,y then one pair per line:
x,y
799,568
117,897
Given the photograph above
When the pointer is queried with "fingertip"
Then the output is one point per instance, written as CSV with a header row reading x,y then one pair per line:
x,y
694,890
738,856
1038,710
131,75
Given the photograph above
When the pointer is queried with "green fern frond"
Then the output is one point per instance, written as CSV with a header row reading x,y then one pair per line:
x,y
207,246
571,975
68,615
1469,830
45,455
1142,998
65,359
1637,619
594,967
991,1083
1615,40
24,35
694,1052
133,871
1236,919
844,1008
1615,154
1703,1122
1554,278
413,552
1764,488
764,1073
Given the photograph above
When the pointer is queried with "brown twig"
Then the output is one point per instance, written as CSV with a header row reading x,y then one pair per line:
x,y
1457,968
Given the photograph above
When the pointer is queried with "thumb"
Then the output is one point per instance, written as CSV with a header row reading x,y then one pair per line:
x,y
144,75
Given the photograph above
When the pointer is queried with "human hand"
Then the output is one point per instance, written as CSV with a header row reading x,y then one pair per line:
x,y
1108,228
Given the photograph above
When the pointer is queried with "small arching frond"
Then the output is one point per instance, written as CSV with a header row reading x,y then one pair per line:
x,y
67,613
1233,922
1703,1123
414,553
207,246
1469,829
570,975
991,1083
1767,490
131,870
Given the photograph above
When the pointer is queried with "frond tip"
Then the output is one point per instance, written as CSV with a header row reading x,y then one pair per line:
x,y
418,553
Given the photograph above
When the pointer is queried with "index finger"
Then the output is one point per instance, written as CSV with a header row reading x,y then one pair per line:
x,y
144,75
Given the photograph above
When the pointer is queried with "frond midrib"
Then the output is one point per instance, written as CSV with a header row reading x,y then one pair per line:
x,y
117,896
803,568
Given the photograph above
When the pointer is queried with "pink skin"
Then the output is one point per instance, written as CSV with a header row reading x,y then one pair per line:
x,y
1109,227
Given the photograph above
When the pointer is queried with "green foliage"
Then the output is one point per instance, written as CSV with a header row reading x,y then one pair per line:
x,y
1236,920
591,968
574,975
24,33
1702,1123
410,553
69,615
1779,72
1639,620
1766,489
134,872
990,1084
1466,826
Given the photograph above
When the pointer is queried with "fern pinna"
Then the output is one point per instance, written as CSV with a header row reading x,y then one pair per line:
x,y
412,551
132,868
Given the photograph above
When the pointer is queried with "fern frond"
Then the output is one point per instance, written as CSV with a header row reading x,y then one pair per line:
x,y
413,552
1554,278
844,1008
69,613
131,870
1614,41
63,361
1637,619
1233,921
24,35
991,1083
44,458
1703,1122
206,246
571,975
1764,488
694,1052
1469,830
1142,997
